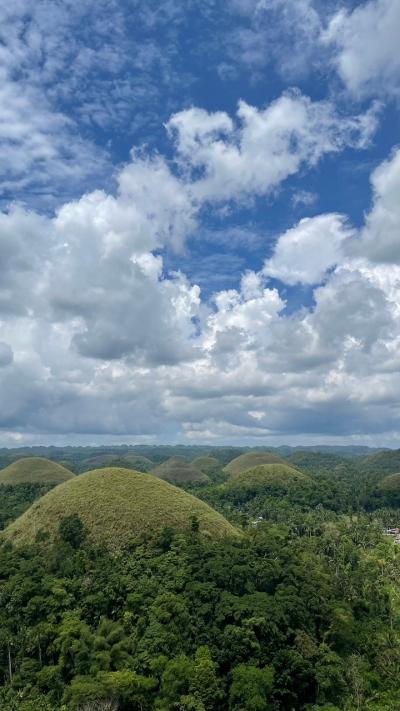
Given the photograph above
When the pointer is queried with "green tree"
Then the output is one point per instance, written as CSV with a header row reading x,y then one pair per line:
x,y
72,530
251,688
205,684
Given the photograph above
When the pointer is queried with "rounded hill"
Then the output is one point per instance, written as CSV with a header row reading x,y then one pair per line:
x,y
383,463
35,470
207,465
178,470
278,477
249,460
116,507
390,483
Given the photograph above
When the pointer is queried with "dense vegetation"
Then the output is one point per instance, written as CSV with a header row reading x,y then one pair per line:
x,y
301,612
16,498
128,461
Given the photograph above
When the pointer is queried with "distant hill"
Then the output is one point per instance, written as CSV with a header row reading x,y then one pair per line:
x,y
34,470
382,463
178,471
117,506
129,461
266,477
207,465
348,451
390,483
251,459
321,461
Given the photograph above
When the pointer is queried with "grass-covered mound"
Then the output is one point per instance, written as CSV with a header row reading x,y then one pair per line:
x,y
266,477
128,461
387,491
390,483
34,470
207,465
382,463
249,460
178,470
117,506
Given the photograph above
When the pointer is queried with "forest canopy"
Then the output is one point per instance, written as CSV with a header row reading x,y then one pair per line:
x,y
298,612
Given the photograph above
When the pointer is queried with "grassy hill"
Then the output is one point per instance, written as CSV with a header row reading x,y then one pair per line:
x,y
179,471
207,465
390,483
34,470
279,477
128,461
382,463
249,460
117,506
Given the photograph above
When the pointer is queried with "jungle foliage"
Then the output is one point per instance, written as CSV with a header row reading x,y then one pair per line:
x,y
299,613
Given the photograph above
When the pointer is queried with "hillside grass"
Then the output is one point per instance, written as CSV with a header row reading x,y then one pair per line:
x,y
390,483
207,465
179,471
249,460
381,464
117,507
34,470
267,476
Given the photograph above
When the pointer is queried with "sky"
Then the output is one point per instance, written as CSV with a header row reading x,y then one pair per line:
x,y
200,222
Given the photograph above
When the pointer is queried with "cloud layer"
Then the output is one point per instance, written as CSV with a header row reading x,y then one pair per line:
x,y
222,285
97,338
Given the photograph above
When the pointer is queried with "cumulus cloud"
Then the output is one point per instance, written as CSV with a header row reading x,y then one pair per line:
x,y
380,238
99,337
306,252
24,238
366,42
264,146
357,40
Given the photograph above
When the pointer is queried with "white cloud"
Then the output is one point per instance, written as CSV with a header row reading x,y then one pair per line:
x,y
24,239
284,33
304,198
40,150
367,40
380,238
264,147
304,253
98,337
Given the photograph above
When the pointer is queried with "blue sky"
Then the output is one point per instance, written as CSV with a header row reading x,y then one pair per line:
x,y
200,223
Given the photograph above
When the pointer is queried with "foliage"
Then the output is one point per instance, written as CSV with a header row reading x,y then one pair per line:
x,y
72,530
16,498
129,461
299,613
